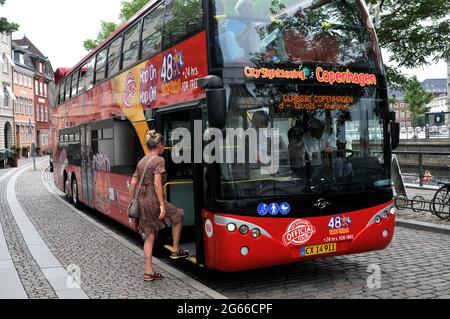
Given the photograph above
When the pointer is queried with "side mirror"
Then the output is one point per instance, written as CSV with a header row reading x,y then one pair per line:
x,y
216,100
395,135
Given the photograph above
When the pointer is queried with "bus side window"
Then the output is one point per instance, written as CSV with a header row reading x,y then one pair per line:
x,y
182,17
82,80
74,84
90,70
61,93
114,57
67,95
151,32
131,46
100,66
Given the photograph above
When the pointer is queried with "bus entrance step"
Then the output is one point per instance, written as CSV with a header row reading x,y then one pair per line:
x,y
190,247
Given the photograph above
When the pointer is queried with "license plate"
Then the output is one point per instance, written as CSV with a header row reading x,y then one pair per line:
x,y
318,250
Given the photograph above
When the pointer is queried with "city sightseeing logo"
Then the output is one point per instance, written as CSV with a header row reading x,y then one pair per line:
x,y
129,90
298,233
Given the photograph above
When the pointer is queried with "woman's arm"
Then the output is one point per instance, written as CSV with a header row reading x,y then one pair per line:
x,y
133,184
160,194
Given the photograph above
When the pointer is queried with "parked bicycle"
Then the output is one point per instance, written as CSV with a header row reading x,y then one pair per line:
x,y
441,201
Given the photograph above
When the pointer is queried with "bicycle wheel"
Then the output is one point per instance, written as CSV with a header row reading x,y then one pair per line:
x,y
401,202
441,203
418,204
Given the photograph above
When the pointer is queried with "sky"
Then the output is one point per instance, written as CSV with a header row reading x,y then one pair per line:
x,y
60,27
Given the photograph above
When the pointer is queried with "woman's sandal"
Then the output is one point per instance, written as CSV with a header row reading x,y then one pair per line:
x,y
181,254
155,276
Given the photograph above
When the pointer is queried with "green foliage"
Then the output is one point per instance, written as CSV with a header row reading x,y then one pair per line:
x,y
6,26
106,29
417,98
415,32
129,8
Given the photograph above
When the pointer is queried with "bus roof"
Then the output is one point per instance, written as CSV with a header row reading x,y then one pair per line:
x,y
65,71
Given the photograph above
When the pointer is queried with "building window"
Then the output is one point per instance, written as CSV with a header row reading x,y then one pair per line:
x,y
5,64
45,89
16,78
46,114
36,87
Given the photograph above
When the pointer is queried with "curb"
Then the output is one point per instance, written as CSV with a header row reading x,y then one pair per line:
x,y
413,224
174,272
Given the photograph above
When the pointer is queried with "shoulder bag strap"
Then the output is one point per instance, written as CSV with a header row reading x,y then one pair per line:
x,y
136,195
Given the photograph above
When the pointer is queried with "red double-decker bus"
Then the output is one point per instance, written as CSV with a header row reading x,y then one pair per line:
x,y
310,71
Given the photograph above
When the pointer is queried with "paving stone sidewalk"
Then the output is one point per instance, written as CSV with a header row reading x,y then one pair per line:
x,y
108,268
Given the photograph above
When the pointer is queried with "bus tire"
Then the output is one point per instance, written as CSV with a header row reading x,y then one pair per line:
x,y
75,200
67,187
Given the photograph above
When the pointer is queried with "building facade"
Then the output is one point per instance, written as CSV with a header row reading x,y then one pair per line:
x,y
24,115
401,109
43,77
7,97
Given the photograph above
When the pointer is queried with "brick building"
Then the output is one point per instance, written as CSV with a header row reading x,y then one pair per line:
x,y
43,77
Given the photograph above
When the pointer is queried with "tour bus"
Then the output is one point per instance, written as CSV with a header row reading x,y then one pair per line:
x,y
308,74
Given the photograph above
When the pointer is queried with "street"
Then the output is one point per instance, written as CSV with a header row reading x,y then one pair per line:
x,y
109,258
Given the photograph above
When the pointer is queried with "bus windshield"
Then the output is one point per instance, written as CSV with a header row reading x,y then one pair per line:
x,y
328,140
293,32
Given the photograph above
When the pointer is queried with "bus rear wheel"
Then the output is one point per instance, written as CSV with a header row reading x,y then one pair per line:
x,y
67,189
75,200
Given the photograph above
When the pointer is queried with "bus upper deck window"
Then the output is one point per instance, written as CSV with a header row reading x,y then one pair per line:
x,y
100,67
114,57
131,46
151,32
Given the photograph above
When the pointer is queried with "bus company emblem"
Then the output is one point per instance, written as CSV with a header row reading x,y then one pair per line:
x,y
322,203
129,90
298,233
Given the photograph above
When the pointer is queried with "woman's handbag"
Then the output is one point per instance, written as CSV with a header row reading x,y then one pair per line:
x,y
133,209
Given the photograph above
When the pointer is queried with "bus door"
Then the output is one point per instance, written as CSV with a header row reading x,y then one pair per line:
x,y
184,180
86,163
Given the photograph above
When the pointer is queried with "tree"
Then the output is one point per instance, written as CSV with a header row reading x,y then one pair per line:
x,y
128,9
5,26
106,29
414,31
417,98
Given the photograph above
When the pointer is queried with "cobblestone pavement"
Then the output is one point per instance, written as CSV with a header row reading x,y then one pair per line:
x,y
421,216
414,266
109,269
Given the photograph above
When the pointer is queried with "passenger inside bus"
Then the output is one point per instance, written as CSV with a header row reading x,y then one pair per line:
x,y
320,144
237,36
297,149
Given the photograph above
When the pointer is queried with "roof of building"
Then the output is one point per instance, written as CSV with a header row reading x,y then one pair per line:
x,y
28,45
31,54
435,85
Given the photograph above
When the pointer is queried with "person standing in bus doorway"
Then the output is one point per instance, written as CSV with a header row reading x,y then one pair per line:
x,y
155,212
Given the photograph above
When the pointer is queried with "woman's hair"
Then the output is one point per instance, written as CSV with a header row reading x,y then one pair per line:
x,y
153,139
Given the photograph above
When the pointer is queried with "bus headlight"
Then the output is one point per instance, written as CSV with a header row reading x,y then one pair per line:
x,y
244,230
385,215
393,211
378,219
386,233
256,233
231,227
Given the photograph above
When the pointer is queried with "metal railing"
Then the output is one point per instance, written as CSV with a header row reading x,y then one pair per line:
x,y
444,158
